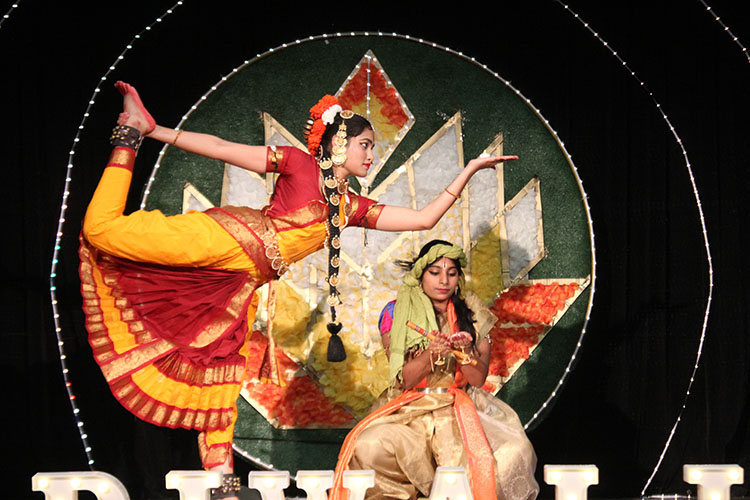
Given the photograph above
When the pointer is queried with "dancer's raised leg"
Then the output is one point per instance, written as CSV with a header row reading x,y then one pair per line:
x,y
134,113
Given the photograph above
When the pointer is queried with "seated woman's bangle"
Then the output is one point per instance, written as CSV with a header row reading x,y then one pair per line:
x,y
455,196
177,136
466,360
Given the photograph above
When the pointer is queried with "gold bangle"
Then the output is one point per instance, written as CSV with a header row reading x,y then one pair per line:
x,y
174,142
455,196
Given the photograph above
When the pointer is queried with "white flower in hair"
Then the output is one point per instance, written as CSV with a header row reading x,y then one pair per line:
x,y
330,114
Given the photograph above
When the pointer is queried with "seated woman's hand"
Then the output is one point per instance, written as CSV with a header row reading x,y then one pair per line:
x,y
460,340
440,345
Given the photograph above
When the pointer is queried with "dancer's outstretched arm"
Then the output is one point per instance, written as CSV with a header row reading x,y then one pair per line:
x,y
134,114
251,158
394,218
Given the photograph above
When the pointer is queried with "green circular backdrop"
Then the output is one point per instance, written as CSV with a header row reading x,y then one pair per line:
x,y
435,83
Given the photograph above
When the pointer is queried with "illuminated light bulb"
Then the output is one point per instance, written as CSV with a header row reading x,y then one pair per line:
x,y
75,483
714,481
315,483
450,483
43,483
571,481
358,482
193,485
103,487
270,484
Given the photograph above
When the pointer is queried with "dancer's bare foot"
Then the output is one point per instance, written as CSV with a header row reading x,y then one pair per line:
x,y
134,114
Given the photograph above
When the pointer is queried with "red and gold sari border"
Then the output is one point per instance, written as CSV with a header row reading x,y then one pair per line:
x,y
215,454
146,347
156,412
478,451
313,213
372,216
122,157
246,225
116,367
185,372
274,157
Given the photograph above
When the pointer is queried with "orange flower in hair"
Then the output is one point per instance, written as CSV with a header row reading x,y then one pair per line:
x,y
324,103
321,115
315,136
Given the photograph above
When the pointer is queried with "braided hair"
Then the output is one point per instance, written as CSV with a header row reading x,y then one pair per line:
x,y
335,194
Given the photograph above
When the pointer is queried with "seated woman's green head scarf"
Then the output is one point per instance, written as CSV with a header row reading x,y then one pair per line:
x,y
413,305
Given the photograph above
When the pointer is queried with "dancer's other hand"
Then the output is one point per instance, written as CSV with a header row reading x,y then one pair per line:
x,y
487,161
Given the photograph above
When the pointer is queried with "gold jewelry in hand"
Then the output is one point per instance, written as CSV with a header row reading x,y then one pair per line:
x,y
465,358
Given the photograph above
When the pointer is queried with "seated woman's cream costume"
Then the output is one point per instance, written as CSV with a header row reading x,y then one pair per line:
x,y
439,424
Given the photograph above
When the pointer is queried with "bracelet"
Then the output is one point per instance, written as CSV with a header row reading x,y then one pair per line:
x,y
174,142
455,196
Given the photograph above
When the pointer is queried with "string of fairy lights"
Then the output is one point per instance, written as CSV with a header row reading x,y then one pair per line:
x,y
699,206
726,29
59,234
8,13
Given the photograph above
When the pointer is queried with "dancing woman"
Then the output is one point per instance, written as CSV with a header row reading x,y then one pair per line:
x,y
169,299
435,421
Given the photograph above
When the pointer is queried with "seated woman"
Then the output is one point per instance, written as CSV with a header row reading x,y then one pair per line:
x,y
435,421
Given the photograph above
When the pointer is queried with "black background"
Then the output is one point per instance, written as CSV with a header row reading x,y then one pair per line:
x,y
652,272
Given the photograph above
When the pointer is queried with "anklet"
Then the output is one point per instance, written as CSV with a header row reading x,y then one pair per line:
x,y
230,487
125,136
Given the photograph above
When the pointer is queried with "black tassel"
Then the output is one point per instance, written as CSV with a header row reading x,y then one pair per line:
x,y
336,351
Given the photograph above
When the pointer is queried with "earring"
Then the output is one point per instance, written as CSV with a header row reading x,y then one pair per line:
x,y
338,150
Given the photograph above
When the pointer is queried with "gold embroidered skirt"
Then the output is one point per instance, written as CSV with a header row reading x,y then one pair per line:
x,y
405,447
